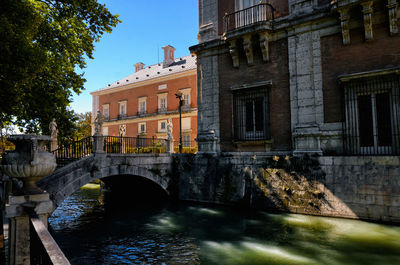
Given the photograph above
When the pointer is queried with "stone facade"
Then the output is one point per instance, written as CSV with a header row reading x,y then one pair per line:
x,y
318,41
332,72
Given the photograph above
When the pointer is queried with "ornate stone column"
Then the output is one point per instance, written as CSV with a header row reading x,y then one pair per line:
x,y
29,162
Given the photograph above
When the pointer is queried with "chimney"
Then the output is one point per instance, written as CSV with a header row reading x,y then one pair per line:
x,y
139,66
168,55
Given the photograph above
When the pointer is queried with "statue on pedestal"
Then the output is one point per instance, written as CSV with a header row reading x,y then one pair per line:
x,y
98,123
53,134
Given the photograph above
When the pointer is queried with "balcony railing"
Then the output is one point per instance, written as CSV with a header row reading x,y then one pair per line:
x,y
121,116
248,16
161,110
141,113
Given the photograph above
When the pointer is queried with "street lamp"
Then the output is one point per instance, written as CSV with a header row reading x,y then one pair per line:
x,y
179,96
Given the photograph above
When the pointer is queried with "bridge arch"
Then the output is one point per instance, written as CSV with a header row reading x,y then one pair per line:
x,y
66,180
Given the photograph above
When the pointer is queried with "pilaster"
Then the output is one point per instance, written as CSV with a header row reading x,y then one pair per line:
x,y
208,102
306,91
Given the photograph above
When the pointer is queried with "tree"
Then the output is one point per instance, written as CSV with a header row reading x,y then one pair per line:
x,y
83,125
42,42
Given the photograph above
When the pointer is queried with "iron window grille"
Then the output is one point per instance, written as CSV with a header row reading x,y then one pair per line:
x,y
372,116
251,114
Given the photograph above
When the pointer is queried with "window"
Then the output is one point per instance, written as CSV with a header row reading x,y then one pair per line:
x,y
186,124
251,114
142,127
186,97
186,140
122,109
106,111
105,131
162,126
242,4
162,103
371,108
142,106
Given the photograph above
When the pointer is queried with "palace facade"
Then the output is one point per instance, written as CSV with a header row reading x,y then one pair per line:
x,y
141,104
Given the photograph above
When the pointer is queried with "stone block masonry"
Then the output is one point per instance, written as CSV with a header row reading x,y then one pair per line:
x,y
351,187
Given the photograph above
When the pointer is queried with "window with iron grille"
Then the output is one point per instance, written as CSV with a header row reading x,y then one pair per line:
x,y
372,114
186,140
251,114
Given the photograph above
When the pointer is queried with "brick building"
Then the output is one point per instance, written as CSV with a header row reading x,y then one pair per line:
x,y
299,76
142,103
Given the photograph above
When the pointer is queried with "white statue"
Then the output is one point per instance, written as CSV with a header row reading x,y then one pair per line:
x,y
98,123
53,129
169,129
53,134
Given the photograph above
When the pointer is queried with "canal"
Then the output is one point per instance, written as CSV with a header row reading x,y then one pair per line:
x,y
93,227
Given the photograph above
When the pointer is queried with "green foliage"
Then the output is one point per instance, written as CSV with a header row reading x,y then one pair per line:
x,y
42,44
83,125
5,131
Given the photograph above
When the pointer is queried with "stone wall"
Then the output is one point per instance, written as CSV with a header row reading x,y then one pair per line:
x,y
351,187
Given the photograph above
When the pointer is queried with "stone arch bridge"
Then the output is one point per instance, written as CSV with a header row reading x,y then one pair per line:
x,y
64,181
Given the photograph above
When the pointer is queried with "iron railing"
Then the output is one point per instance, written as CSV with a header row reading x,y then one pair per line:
x,y
73,151
188,147
133,145
248,16
372,116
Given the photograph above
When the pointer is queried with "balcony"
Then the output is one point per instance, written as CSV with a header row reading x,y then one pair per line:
x,y
121,116
141,113
161,110
262,12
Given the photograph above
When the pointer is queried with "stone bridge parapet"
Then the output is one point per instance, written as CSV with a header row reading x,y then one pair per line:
x,y
66,180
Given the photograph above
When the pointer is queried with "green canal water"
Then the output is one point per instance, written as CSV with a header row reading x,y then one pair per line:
x,y
93,229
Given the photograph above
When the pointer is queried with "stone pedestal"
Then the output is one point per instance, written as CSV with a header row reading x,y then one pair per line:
x,y
19,234
170,146
207,142
98,143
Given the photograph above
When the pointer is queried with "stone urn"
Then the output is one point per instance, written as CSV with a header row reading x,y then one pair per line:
x,y
29,161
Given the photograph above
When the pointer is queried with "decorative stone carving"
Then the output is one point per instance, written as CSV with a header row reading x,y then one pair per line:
x,y
233,50
367,14
98,123
29,161
264,45
248,49
392,9
344,23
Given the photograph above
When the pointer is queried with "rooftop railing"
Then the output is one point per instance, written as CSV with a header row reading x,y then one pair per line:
x,y
248,16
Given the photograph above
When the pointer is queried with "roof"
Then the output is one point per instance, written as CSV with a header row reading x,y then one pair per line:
x,y
180,64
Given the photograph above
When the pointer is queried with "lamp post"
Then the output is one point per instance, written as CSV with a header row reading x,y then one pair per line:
x,y
179,96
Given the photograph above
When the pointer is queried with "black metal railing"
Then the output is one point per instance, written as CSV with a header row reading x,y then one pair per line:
x,y
248,16
121,116
73,151
133,145
188,147
161,110
372,116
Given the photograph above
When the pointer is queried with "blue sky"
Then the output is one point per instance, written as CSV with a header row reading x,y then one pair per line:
x,y
146,26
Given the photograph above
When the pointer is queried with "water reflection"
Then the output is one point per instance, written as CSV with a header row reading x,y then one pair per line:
x,y
91,229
